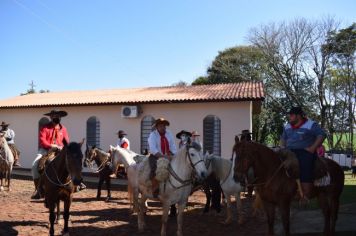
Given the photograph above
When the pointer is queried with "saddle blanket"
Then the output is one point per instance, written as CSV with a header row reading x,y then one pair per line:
x,y
323,181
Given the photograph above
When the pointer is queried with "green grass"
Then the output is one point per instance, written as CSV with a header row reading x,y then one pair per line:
x,y
349,193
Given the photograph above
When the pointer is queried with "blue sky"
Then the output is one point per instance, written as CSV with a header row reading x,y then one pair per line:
x,y
98,44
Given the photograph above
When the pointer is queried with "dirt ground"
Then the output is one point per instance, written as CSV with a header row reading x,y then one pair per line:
x,y
19,215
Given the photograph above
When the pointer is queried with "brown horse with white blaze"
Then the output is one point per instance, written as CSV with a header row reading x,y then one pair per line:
x,y
61,176
277,188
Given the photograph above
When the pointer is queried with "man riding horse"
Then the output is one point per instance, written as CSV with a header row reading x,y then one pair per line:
x,y
161,145
302,136
9,135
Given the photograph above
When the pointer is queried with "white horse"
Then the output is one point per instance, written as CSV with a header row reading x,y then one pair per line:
x,y
223,170
130,159
175,189
6,162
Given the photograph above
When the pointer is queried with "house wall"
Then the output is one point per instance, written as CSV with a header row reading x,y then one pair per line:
x,y
234,116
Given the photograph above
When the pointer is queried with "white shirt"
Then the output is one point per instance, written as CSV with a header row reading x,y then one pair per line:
x,y
122,141
9,134
154,142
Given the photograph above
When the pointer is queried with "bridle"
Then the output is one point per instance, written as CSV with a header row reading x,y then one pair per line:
x,y
58,182
175,175
91,158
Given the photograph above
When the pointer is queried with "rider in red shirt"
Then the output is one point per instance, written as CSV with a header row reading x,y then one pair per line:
x,y
51,138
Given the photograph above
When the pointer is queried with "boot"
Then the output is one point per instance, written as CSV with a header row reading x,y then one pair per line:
x,y
36,193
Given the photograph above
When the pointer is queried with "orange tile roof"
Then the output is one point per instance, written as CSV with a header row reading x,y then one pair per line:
x,y
246,91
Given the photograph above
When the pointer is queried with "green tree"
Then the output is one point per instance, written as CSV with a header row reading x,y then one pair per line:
x,y
236,64
341,47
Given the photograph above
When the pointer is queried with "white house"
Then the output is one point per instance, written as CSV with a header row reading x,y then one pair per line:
x,y
217,112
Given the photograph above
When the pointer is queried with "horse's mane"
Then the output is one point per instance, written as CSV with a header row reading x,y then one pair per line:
x,y
221,166
101,151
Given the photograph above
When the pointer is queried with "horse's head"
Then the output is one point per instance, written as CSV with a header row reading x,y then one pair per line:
x,y
243,160
74,158
196,159
89,156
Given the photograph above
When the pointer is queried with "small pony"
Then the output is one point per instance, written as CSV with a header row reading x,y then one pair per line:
x,y
103,161
6,162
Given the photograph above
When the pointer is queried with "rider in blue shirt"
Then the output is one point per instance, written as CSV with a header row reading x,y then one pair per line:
x,y
302,136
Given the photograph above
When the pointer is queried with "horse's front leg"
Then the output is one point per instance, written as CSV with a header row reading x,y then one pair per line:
x,y
270,211
284,208
67,204
8,180
240,216
228,209
181,207
58,212
101,180
1,186
108,187
52,218
140,215
165,209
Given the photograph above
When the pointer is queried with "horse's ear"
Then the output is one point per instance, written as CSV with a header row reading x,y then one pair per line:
x,y
81,143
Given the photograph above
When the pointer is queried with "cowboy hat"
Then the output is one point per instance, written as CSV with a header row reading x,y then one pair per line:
x,y
121,132
189,134
56,112
4,124
161,121
195,133
245,131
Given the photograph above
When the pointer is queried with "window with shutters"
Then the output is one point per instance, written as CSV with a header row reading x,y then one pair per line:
x,y
212,135
42,122
93,131
146,128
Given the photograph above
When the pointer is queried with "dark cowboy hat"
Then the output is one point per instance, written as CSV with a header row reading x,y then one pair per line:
x,y
56,112
296,111
121,132
189,134
4,124
161,121
245,131
195,133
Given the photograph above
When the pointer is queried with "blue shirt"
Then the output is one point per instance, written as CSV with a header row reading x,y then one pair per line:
x,y
302,137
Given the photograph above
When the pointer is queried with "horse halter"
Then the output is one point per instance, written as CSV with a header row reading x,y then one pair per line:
x,y
91,158
190,158
59,183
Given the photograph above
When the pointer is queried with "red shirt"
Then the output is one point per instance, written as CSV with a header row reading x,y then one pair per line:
x,y
49,134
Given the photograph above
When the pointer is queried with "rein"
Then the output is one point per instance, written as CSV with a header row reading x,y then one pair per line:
x,y
102,165
270,179
59,183
180,180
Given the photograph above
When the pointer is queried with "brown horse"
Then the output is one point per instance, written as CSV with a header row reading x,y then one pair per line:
x,y
61,176
277,188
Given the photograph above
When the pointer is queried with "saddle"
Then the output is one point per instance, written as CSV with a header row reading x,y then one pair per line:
x,y
46,159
